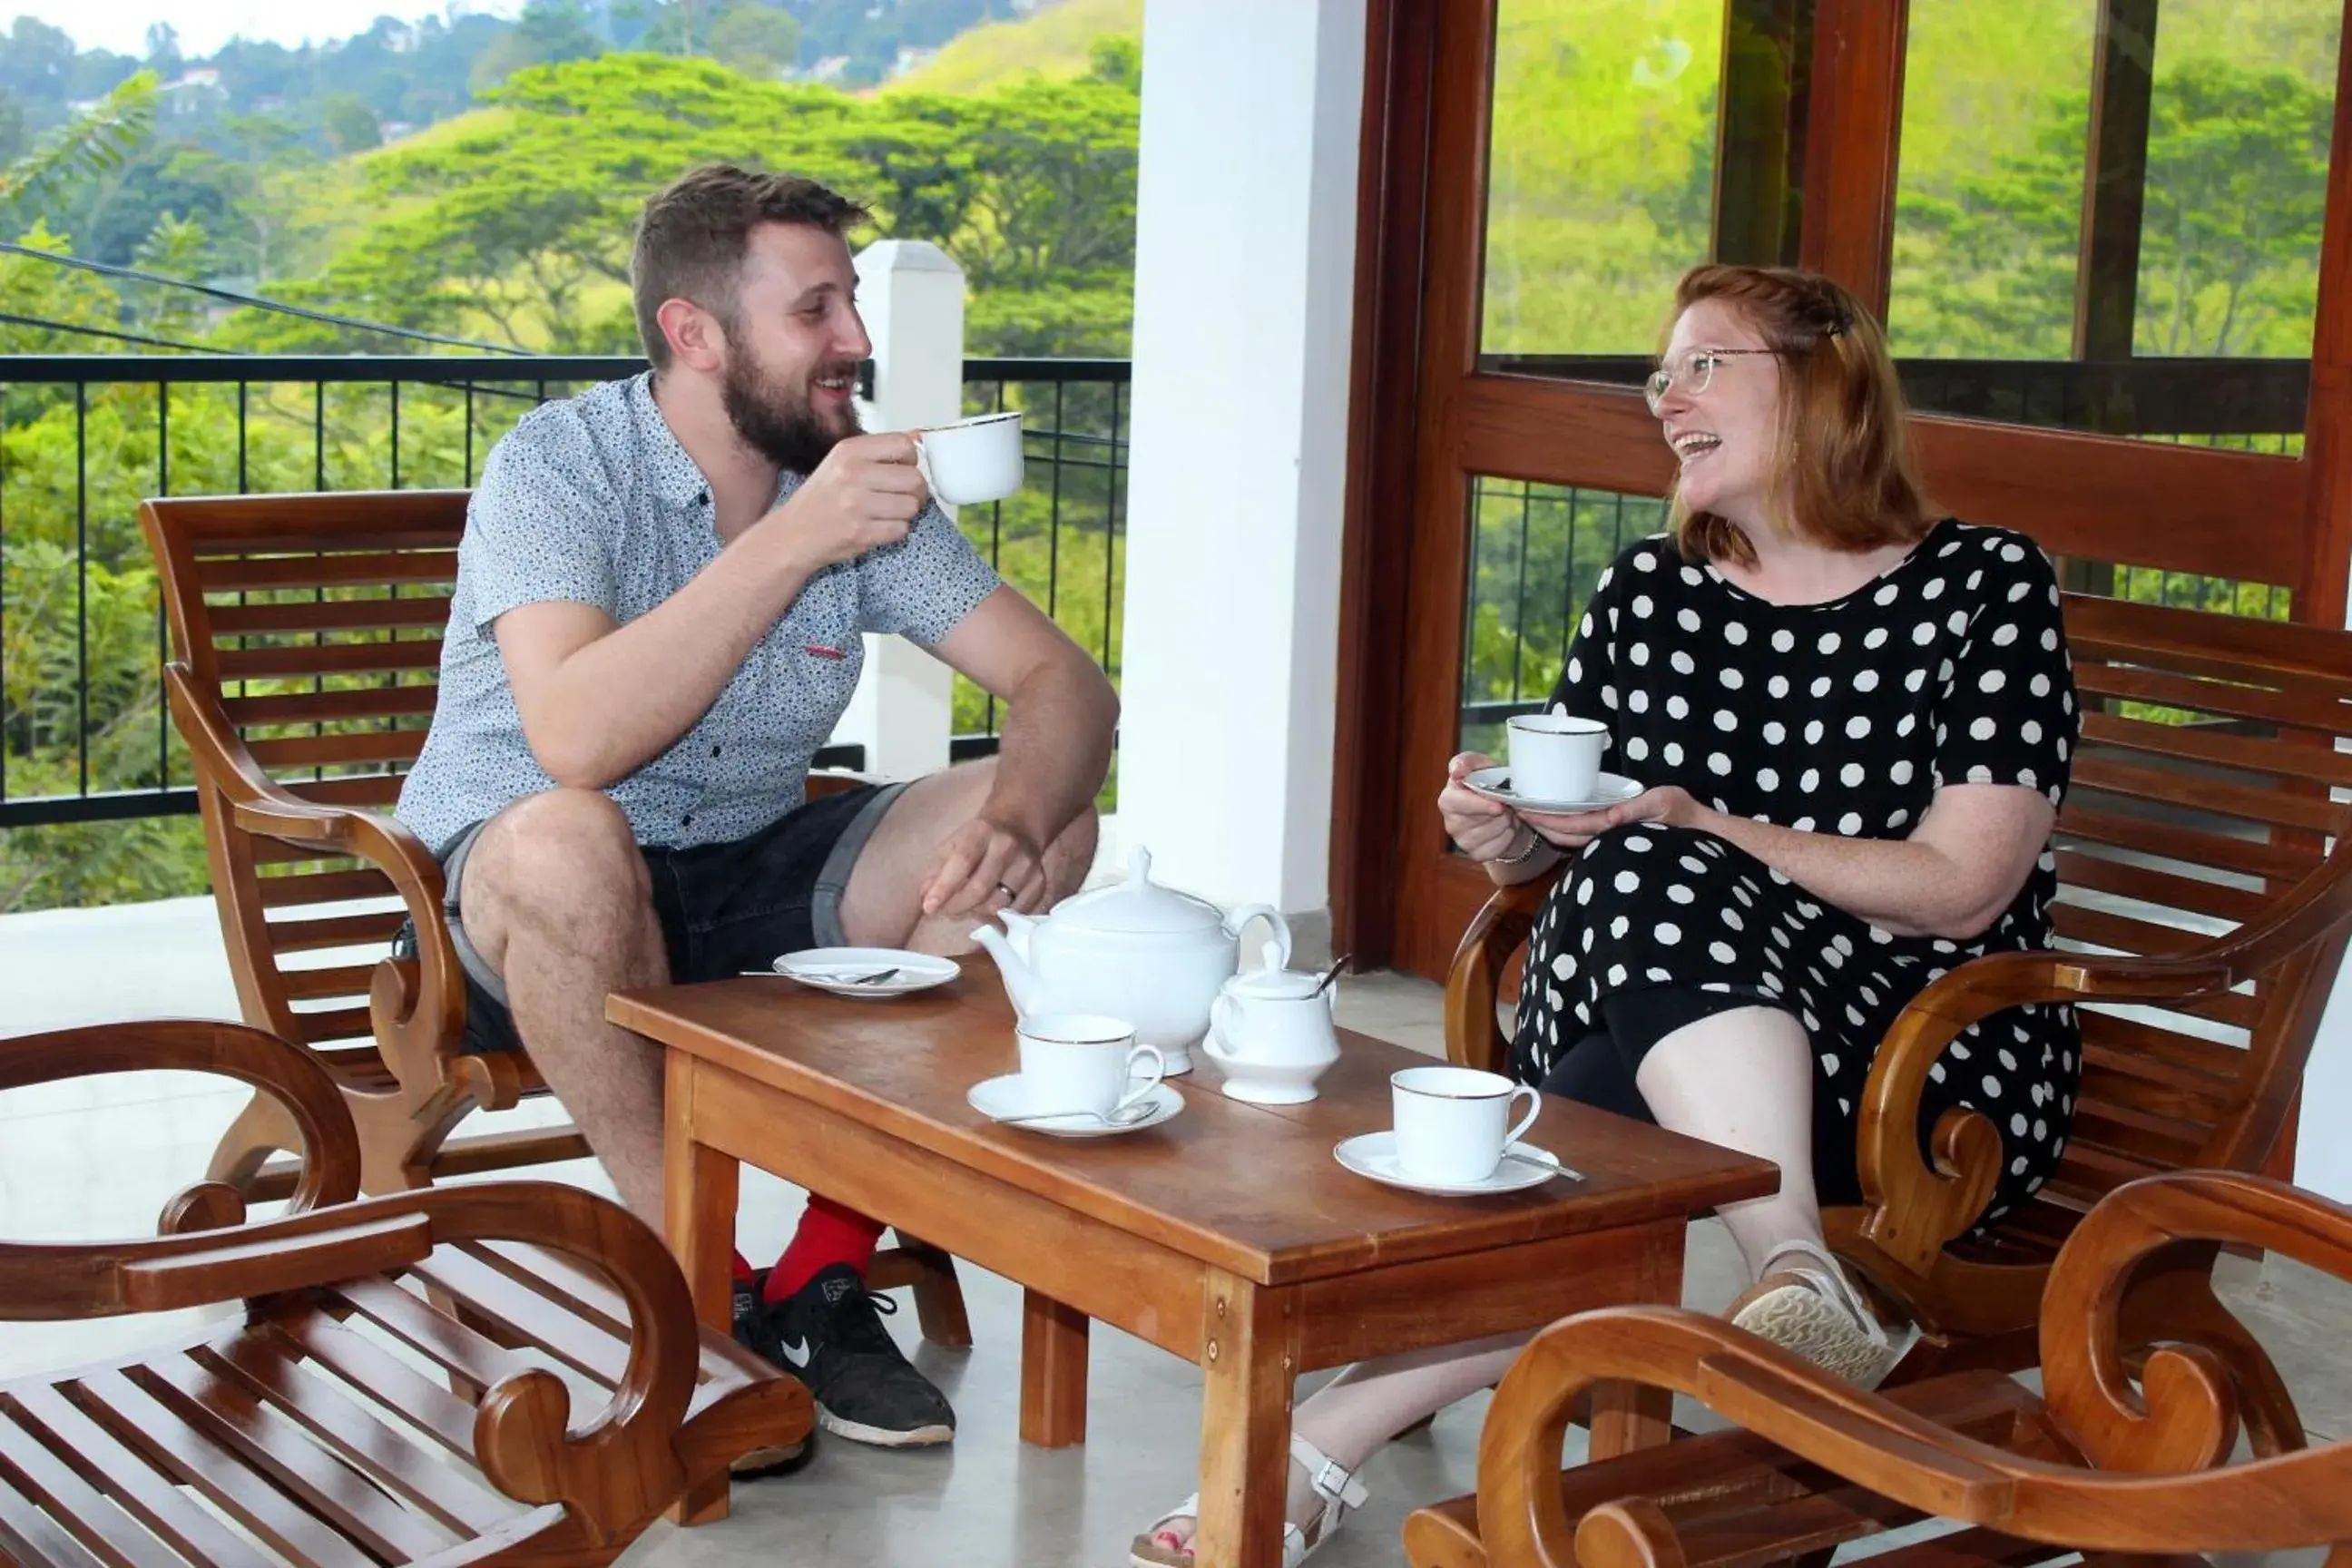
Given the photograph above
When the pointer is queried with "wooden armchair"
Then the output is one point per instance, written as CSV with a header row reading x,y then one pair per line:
x,y
2204,924
2110,1458
306,634
585,1402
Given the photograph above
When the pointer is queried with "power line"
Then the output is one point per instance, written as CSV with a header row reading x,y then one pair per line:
x,y
11,320
107,269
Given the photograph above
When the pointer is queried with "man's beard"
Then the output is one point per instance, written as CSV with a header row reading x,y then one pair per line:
x,y
774,421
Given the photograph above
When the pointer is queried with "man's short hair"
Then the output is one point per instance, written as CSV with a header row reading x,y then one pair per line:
x,y
693,237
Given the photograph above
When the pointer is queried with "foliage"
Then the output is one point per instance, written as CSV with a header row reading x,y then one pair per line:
x,y
94,142
521,232
1057,41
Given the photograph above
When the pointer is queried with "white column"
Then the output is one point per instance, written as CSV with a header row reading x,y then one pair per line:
x,y
1244,277
911,294
2323,1156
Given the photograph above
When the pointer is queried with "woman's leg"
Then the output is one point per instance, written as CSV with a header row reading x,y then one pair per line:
x,y
1356,1414
1743,1078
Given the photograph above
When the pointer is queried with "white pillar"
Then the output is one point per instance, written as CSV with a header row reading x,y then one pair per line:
x,y
2323,1156
1244,279
911,294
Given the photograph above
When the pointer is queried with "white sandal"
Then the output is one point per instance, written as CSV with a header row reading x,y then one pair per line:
x,y
1334,1484
1818,1314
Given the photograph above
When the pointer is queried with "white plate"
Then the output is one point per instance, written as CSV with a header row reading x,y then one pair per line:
x,y
1004,1098
834,969
1373,1154
1494,783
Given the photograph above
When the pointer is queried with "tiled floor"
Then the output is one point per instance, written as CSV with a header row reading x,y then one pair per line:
x,y
98,1158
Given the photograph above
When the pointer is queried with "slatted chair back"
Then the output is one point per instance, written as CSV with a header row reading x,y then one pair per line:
x,y
314,623
2211,779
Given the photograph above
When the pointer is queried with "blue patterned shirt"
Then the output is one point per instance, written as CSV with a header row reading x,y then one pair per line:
x,y
592,499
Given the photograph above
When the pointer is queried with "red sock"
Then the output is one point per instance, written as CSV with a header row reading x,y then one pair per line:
x,y
829,1234
740,1271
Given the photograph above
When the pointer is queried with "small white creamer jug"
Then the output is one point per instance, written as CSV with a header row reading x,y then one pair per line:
x,y
1271,1034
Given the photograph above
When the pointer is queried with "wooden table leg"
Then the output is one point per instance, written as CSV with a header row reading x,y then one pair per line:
x,y
1053,1373
698,1193
1629,1415
1251,1361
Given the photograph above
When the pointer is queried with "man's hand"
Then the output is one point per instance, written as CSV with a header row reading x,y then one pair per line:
x,y
984,866
864,496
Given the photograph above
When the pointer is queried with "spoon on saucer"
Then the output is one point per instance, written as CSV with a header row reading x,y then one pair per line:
x,y
1134,1115
1535,1156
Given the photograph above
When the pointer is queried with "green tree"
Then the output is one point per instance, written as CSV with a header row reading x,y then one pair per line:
x,y
351,124
757,39
94,142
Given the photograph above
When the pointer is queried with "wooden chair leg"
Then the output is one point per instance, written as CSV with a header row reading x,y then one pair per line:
x,y
939,1297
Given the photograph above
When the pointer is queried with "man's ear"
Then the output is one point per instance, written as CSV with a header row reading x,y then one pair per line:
x,y
693,333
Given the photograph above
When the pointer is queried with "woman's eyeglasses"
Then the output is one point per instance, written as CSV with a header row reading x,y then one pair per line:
x,y
1694,375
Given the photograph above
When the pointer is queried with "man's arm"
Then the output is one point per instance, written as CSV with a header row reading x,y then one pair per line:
x,y
599,700
1052,758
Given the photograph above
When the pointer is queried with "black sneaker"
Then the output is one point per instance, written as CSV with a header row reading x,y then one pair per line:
x,y
770,1459
829,1334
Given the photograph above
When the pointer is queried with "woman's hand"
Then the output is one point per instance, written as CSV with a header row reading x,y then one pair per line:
x,y
1573,830
1485,830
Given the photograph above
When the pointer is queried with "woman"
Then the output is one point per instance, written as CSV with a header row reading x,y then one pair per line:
x,y
1855,724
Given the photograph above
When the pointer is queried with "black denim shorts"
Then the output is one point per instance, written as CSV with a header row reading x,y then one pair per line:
x,y
722,907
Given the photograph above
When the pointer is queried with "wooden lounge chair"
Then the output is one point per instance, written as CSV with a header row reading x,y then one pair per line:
x,y
2204,924
556,1399
305,636
2112,1456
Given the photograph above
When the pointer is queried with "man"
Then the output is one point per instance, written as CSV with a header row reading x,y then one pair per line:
x,y
657,621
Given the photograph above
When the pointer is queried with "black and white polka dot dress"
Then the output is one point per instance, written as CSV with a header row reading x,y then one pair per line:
x,y
1839,717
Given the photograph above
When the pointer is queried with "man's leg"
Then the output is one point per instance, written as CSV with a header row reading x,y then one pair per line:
x,y
882,906
555,897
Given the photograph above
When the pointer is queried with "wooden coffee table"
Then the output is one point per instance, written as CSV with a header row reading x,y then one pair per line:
x,y
1228,1235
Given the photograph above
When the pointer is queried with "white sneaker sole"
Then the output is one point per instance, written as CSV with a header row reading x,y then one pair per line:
x,y
930,1437
1801,1321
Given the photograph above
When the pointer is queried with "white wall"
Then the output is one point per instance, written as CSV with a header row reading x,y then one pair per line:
x,y
1244,287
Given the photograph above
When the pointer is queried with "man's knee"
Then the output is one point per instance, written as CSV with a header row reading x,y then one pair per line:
x,y
567,852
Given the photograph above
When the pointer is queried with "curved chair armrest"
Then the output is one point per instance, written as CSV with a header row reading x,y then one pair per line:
x,y
2173,1421
417,1020
286,1073
1913,1209
1473,1030
621,1465
1522,1516
2293,1500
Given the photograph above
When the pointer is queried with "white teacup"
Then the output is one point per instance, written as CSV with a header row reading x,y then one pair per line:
x,y
1555,757
1454,1123
1083,1064
971,460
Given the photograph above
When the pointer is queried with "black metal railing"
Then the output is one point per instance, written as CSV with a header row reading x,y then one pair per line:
x,y
84,737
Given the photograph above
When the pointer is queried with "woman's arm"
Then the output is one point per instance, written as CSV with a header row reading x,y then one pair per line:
x,y
1951,877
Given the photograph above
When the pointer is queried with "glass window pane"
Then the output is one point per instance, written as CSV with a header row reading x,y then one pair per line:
x,y
1535,552
1600,177
2013,299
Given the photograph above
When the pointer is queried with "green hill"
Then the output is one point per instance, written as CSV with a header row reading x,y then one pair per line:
x,y
1052,41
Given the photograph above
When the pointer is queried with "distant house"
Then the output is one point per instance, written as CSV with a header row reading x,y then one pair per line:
x,y
829,68
910,58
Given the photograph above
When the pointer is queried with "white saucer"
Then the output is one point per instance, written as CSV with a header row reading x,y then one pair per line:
x,y
1494,783
1004,1100
1373,1154
833,968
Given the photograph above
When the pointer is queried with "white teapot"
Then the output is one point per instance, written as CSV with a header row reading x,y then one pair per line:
x,y
1136,950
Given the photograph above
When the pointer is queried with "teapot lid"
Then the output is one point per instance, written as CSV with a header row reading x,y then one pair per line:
x,y
1139,906
1273,982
